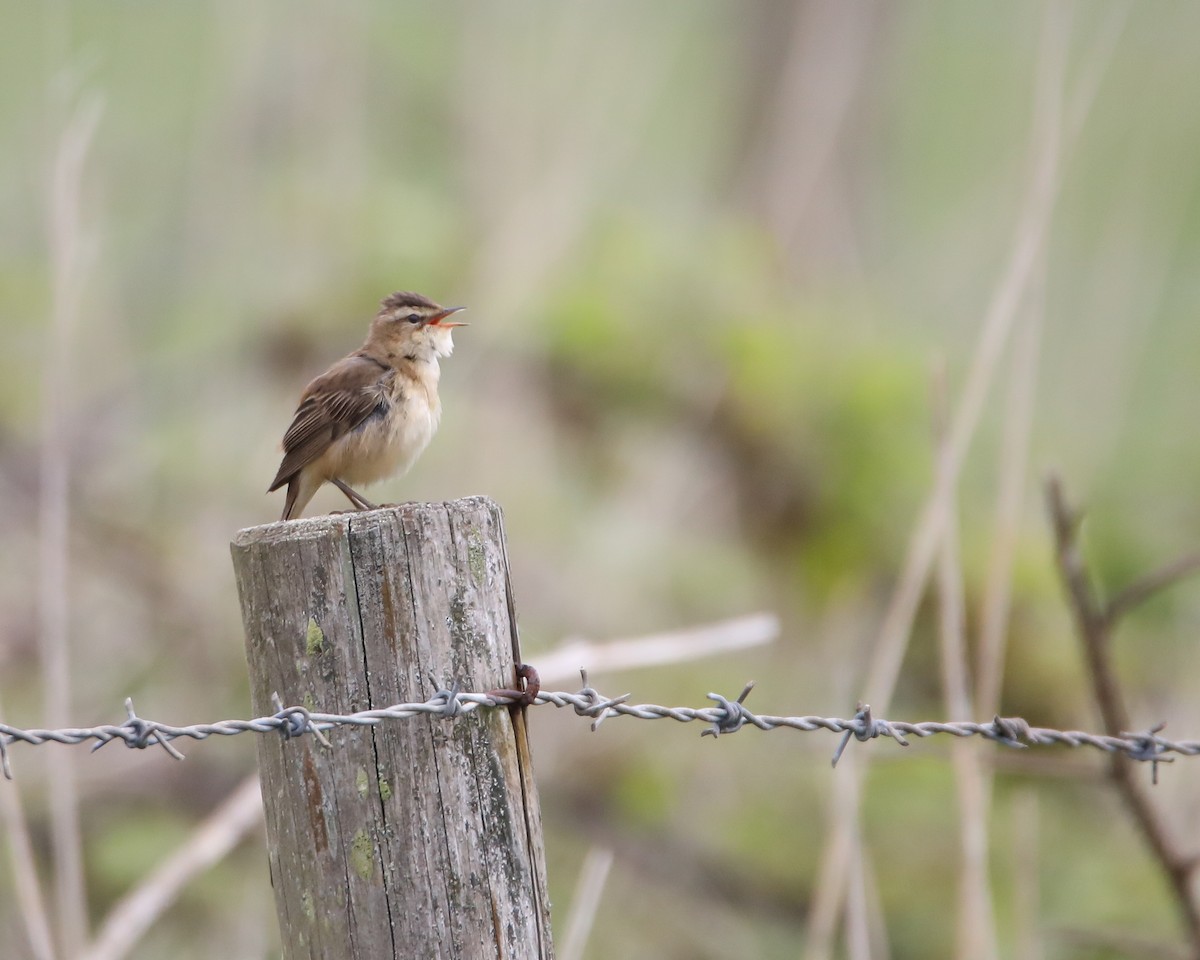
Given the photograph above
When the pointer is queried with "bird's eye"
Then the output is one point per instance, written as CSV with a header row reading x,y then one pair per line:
x,y
413,318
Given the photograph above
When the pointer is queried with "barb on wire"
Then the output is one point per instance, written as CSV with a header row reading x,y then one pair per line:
x,y
865,727
726,716
297,721
734,714
1149,747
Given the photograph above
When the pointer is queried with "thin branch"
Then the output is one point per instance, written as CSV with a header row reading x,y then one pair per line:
x,y
1143,589
1094,622
1090,617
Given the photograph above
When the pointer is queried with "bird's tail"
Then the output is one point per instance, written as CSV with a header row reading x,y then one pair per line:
x,y
290,507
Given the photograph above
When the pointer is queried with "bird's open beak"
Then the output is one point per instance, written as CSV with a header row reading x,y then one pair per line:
x,y
439,319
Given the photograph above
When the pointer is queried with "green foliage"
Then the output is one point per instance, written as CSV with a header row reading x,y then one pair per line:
x,y
644,796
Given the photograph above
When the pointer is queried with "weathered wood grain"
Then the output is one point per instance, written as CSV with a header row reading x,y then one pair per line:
x,y
413,838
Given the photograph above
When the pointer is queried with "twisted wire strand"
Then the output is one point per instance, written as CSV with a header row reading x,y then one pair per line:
x,y
724,717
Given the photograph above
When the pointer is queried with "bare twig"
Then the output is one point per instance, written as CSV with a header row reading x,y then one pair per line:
x,y
1094,622
135,913
1142,590
1089,614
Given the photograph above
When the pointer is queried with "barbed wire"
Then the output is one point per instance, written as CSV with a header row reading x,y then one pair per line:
x,y
725,717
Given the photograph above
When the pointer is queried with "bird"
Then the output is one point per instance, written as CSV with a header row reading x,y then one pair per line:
x,y
370,415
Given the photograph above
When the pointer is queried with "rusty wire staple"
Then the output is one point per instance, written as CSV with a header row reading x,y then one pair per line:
x,y
724,717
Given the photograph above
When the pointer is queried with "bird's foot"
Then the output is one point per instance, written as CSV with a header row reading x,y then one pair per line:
x,y
356,498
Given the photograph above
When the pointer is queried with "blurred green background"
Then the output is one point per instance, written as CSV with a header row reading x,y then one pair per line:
x,y
721,261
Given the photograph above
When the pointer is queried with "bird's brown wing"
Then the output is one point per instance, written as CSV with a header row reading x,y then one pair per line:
x,y
330,407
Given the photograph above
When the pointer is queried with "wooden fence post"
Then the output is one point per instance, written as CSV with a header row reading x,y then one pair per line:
x,y
415,838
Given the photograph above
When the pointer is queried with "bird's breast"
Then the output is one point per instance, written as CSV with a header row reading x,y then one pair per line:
x,y
390,439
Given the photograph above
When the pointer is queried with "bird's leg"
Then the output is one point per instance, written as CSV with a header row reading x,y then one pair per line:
x,y
359,501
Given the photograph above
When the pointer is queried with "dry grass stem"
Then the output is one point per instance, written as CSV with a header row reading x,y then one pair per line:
x,y
998,321
876,916
834,869
857,924
828,49
593,875
1014,465
26,883
1028,241
675,646
976,939
67,264
1026,883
